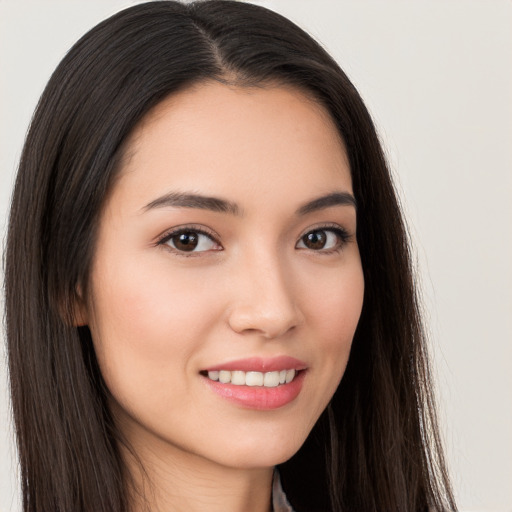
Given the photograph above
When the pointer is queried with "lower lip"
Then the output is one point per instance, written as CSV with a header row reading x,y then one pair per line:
x,y
258,397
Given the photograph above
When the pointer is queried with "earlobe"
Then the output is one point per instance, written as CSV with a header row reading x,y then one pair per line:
x,y
78,316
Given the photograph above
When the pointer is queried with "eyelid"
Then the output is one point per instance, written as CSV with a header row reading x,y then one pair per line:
x,y
343,233
333,226
196,228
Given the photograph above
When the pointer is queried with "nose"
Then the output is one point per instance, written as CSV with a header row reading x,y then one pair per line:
x,y
263,299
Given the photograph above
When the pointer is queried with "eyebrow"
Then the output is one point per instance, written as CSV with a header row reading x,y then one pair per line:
x,y
216,204
333,199
191,200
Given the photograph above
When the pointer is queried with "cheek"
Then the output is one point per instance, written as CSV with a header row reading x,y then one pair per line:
x,y
146,320
338,301
332,305
335,314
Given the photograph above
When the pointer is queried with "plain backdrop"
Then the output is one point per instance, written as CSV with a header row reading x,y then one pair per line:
x,y
437,77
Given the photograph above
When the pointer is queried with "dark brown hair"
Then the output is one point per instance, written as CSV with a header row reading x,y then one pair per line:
x,y
376,447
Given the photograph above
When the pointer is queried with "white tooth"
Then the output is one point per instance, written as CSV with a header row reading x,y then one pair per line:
x,y
224,377
254,379
213,375
271,379
238,378
290,374
282,376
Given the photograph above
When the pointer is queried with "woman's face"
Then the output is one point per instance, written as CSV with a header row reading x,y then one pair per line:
x,y
227,262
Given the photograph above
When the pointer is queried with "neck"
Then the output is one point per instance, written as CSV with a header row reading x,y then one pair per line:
x,y
167,479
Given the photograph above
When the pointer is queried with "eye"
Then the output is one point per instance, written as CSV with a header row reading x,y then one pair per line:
x,y
190,240
323,239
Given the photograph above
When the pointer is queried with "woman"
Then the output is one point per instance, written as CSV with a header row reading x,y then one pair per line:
x,y
208,287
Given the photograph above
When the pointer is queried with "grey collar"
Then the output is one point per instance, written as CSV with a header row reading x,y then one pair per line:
x,y
279,501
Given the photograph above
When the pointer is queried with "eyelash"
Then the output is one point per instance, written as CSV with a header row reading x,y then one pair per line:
x,y
341,233
166,237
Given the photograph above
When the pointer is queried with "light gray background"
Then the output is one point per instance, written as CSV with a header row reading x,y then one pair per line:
x,y
437,76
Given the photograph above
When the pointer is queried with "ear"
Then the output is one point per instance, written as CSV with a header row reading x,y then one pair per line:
x,y
78,314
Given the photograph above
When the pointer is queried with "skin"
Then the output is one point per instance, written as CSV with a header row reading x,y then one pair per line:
x,y
159,317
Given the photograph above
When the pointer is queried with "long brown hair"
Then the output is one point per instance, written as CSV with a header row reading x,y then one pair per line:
x,y
376,447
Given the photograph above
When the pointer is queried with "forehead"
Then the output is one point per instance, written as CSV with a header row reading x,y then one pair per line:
x,y
226,139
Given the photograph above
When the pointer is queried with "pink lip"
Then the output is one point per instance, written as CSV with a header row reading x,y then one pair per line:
x,y
260,364
258,398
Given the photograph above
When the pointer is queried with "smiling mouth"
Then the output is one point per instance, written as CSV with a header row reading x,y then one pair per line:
x,y
252,379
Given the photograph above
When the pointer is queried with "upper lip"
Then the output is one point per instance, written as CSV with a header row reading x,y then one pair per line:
x,y
260,364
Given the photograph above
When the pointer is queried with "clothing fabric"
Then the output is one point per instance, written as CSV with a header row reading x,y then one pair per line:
x,y
279,500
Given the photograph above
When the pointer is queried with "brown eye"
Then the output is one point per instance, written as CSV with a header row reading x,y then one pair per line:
x,y
185,241
323,239
190,241
315,239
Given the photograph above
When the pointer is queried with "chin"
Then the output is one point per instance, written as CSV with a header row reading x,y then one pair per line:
x,y
261,451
